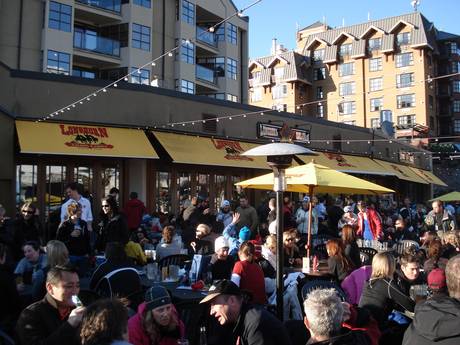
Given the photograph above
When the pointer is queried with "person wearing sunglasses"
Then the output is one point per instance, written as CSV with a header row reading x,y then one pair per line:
x,y
113,226
27,227
292,256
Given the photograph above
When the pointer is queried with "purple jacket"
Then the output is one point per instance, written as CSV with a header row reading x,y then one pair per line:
x,y
353,284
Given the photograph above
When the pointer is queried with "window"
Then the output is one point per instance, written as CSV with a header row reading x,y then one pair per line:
x,y
220,33
188,12
231,68
279,91
217,64
187,52
455,66
345,50
404,59
60,16
319,92
375,64
376,104
456,106
82,73
26,183
346,89
318,55
457,126
279,107
404,80
456,86
141,37
232,33
403,39
346,108
351,123
375,123
232,98
279,72
452,48
140,76
185,86
320,110
406,120
405,101
256,75
58,62
319,73
257,94
346,69
375,44
218,95
375,84
143,3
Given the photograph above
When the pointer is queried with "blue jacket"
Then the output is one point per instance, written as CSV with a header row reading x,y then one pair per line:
x,y
231,236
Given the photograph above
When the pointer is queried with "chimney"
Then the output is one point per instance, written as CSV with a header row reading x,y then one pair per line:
x,y
273,49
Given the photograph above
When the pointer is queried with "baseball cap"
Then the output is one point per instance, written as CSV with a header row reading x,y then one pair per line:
x,y
220,243
223,287
437,279
306,199
156,296
225,203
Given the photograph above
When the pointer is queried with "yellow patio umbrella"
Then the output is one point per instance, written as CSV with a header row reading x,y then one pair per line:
x,y
452,196
314,178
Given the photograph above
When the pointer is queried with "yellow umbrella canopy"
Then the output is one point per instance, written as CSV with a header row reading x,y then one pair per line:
x,y
452,196
320,178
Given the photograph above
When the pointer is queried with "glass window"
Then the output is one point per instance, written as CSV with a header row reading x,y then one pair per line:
x,y
346,69
84,176
404,59
279,91
60,16
375,84
351,123
456,106
220,33
346,89
202,184
318,54
140,76
232,69
143,3
375,64
346,108
375,44
58,62
403,39
345,50
256,94
232,33
406,120
375,123
236,190
220,185
79,72
456,86
320,110
186,86
319,92
405,101
188,12
404,80
319,73
232,98
163,192
457,126
110,177
187,52
26,184
376,104
141,37
184,187
55,183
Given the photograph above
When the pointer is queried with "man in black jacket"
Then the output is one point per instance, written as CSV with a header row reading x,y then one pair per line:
x,y
409,273
437,321
53,320
252,325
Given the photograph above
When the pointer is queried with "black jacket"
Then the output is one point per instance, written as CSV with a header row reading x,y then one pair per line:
x,y
352,253
76,245
405,284
41,324
26,230
436,321
380,296
346,337
220,269
112,230
257,326
10,303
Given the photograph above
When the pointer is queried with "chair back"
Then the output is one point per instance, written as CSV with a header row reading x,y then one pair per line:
x,y
87,297
322,284
401,246
370,252
121,282
365,260
178,260
320,251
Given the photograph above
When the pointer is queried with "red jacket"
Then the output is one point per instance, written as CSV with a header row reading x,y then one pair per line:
x,y
137,335
134,210
361,321
374,223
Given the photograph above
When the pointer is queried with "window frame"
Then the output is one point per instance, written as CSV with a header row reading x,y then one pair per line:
x,y
376,84
141,42
187,52
402,104
59,22
232,69
399,84
232,33
342,69
373,107
373,67
142,78
58,61
143,3
188,12
347,88
400,61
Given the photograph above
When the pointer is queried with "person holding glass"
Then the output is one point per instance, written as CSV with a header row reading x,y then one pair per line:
x,y
27,227
113,227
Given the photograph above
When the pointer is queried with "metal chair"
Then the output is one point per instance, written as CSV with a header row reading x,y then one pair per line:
x,y
320,251
178,259
322,284
364,258
401,246
370,252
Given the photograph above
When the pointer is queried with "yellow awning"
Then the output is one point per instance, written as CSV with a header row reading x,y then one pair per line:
x,y
403,172
348,163
209,151
82,140
429,176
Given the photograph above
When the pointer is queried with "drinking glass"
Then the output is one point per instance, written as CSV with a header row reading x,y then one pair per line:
x,y
151,271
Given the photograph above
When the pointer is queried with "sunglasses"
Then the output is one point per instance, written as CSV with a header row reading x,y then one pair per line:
x,y
290,239
105,206
28,212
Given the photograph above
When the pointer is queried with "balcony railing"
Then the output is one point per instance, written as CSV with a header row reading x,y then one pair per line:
x,y
92,42
205,36
206,74
109,5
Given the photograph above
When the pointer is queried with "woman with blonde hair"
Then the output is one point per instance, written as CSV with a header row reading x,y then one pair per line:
x,y
381,294
451,244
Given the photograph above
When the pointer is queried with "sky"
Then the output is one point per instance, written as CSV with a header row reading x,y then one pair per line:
x,y
280,18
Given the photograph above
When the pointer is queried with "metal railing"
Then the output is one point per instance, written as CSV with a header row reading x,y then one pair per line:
x,y
205,36
206,74
109,5
92,42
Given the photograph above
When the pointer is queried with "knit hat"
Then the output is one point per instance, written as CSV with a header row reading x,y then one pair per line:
x,y
436,279
306,199
156,296
220,243
225,203
245,233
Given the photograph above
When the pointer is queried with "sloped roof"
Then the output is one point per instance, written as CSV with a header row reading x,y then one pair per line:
x,y
442,35
316,24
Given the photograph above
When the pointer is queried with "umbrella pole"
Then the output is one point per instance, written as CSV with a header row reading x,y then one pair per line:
x,y
310,216
279,187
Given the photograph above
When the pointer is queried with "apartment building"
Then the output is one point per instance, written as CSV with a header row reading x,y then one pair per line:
x,y
355,73
107,39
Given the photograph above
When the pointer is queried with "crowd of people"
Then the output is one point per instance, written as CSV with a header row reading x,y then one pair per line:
x,y
394,296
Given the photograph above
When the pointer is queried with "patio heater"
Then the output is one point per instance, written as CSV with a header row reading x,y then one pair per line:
x,y
279,158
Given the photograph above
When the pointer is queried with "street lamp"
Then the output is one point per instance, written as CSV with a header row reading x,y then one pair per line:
x,y
279,158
